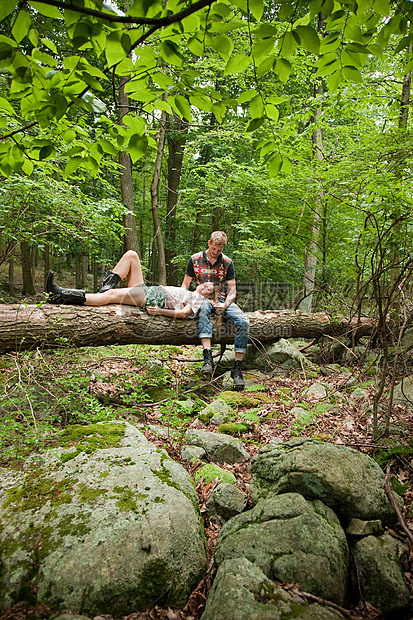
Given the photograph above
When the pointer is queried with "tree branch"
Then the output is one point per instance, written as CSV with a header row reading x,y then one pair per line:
x,y
112,18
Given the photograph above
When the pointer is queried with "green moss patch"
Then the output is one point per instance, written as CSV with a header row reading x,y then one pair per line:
x,y
211,471
238,400
234,428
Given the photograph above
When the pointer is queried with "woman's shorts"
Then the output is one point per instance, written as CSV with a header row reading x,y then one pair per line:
x,y
155,296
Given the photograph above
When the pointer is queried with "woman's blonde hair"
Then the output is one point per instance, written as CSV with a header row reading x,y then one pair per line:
x,y
218,237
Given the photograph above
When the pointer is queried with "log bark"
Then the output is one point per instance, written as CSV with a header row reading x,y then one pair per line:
x,y
52,326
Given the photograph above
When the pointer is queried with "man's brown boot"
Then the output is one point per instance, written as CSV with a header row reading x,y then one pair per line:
x,y
208,367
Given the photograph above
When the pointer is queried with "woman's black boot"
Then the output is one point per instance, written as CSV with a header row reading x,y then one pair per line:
x,y
110,280
68,296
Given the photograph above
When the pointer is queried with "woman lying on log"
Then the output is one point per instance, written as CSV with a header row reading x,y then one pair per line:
x,y
169,301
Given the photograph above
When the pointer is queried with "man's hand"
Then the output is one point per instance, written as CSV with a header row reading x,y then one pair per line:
x,y
220,307
153,310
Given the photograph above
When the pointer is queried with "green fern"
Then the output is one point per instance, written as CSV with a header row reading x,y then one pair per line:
x,y
250,416
256,388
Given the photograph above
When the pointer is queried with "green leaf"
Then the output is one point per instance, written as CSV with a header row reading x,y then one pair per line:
x,y
334,80
170,52
135,122
287,166
184,109
256,107
256,8
309,38
329,69
403,43
381,7
46,10
68,136
21,25
27,167
137,147
356,47
352,74
272,112
46,151
274,166
114,50
223,44
201,102
219,108
254,124
268,146
265,66
6,105
277,100
50,45
247,95
330,43
237,64
282,68
108,147
196,46
6,7
262,47
287,44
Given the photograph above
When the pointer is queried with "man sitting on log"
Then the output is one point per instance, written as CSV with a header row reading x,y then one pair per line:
x,y
169,301
212,265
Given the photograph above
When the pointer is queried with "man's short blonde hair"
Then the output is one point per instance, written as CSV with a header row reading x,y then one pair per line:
x,y
218,238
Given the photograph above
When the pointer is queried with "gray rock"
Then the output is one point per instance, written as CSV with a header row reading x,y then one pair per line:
x,y
331,369
241,591
291,540
316,391
303,416
226,501
380,573
219,409
403,392
357,527
407,339
219,447
348,481
188,453
358,393
109,531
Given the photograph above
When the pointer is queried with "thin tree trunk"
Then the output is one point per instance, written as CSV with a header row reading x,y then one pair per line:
x,y
130,239
176,147
78,269
85,265
46,259
28,282
155,195
11,276
310,260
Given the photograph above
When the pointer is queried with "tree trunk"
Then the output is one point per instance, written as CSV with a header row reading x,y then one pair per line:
x,y
176,147
155,195
130,239
310,259
27,327
28,282
11,275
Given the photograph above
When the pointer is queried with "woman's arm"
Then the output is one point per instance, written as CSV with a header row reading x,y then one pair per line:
x,y
177,314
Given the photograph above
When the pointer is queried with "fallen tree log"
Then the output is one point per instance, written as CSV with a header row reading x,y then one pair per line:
x,y
50,326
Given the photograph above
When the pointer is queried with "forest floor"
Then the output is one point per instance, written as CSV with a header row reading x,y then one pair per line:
x,y
111,381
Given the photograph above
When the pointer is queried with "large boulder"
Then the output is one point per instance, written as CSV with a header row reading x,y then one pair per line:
x,y
350,482
292,540
241,591
379,572
220,448
100,530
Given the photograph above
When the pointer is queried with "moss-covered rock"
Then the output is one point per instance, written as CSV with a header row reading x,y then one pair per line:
x,y
211,472
107,530
348,481
291,540
241,591
250,400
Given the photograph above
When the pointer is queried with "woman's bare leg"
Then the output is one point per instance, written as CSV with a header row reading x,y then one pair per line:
x,y
134,296
129,266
